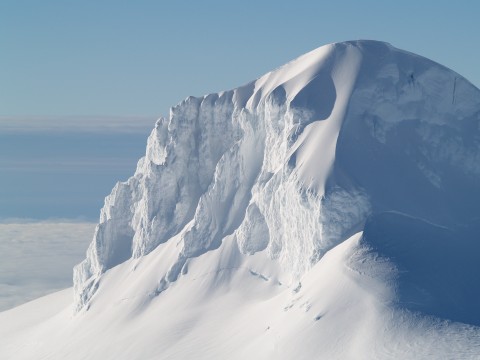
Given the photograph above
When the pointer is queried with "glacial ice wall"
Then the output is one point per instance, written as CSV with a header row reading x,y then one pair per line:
x,y
295,162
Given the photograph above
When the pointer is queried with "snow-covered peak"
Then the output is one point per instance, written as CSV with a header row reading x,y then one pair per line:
x,y
292,164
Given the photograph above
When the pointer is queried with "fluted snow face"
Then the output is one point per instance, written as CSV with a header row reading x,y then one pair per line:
x,y
284,165
219,171
163,195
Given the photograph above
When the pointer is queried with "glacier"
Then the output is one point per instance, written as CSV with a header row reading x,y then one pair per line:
x,y
330,205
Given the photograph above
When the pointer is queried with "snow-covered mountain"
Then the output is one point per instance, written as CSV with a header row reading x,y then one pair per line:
x,y
328,209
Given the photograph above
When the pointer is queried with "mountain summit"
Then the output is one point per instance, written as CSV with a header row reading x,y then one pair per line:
x,y
328,209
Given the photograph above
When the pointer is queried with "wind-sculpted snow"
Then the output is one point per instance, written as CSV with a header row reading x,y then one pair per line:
x,y
295,162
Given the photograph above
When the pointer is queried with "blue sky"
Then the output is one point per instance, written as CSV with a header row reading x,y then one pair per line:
x,y
81,82
140,57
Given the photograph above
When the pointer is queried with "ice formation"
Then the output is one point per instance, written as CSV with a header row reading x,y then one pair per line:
x,y
295,162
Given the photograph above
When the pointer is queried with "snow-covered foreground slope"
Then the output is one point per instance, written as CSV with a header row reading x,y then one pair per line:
x,y
229,306
326,210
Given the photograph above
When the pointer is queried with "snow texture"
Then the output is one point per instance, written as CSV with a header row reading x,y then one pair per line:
x,y
329,206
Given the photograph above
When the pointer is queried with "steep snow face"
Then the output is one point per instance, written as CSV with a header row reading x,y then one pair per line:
x,y
294,163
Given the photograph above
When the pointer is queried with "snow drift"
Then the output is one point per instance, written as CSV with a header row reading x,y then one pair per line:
x,y
329,206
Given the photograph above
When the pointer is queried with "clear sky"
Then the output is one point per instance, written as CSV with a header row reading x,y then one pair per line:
x,y
113,57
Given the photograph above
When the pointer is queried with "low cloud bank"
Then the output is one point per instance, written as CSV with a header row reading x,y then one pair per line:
x,y
36,258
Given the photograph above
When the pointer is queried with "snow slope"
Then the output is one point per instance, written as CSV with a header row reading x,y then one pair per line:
x,y
325,210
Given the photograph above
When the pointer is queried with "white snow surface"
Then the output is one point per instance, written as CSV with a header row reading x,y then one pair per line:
x,y
328,209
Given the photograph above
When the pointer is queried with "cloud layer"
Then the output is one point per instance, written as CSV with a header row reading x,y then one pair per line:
x,y
79,124
37,258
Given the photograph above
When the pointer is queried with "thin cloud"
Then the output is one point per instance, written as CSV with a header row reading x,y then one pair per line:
x,y
80,124
103,164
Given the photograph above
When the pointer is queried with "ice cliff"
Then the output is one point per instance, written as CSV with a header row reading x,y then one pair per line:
x,y
294,163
